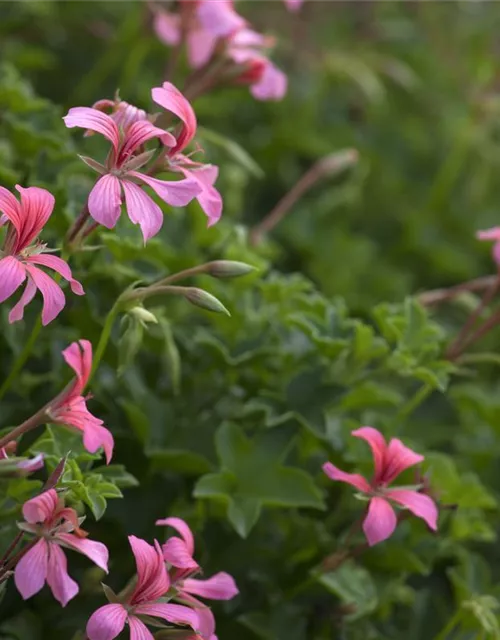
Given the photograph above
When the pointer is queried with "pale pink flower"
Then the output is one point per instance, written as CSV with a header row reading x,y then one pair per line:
x,y
205,175
152,584
247,49
121,176
57,527
178,553
492,235
389,460
294,5
23,466
70,408
22,253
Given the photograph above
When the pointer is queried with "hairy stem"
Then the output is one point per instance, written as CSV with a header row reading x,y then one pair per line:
x,y
105,335
435,296
77,225
11,548
40,417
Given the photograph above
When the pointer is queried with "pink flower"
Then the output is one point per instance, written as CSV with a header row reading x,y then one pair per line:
x,y
247,49
294,5
390,460
57,527
178,552
121,177
492,235
123,113
205,175
24,466
70,409
27,218
152,583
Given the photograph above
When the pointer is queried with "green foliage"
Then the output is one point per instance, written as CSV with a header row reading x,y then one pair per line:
x,y
225,420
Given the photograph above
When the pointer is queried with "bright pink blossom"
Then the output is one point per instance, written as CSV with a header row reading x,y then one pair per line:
x,y
205,175
152,584
294,5
123,113
22,254
492,235
70,408
178,553
57,527
389,460
121,178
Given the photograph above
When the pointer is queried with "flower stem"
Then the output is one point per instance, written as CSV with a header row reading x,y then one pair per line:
x,y
435,296
452,623
22,357
11,548
105,335
15,559
78,224
28,425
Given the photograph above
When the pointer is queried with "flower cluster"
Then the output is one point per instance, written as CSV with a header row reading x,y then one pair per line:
x,y
163,574
215,33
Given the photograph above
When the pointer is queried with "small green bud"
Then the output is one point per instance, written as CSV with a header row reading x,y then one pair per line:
x,y
228,269
143,315
201,298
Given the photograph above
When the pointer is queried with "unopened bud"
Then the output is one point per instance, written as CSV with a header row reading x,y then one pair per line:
x,y
228,269
143,315
334,163
205,300
93,164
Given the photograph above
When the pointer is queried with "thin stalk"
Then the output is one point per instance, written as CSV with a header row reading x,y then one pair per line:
x,y
182,275
481,331
78,224
435,296
146,292
40,417
11,548
105,335
452,623
457,345
413,403
21,358
15,559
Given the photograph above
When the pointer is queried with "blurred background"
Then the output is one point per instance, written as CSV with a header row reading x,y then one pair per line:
x,y
413,87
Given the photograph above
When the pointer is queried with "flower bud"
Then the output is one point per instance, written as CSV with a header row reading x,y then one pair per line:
x,y
143,315
228,269
205,300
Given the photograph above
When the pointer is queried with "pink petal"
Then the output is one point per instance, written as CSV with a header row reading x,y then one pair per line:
x,y
380,522
496,253
36,208
12,275
176,193
175,613
53,297
353,479
181,527
200,46
95,551
140,132
61,267
487,234
221,586
96,436
293,5
126,114
32,464
88,118
419,504
105,201
107,622
167,27
17,311
138,630
272,85
41,507
79,357
206,620
176,553
31,570
9,206
63,587
142,210
209,198
378,446
152,578
170,98
220,18
397,459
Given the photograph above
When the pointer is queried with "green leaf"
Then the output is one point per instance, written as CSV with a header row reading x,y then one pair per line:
x,y
233,149
353,585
